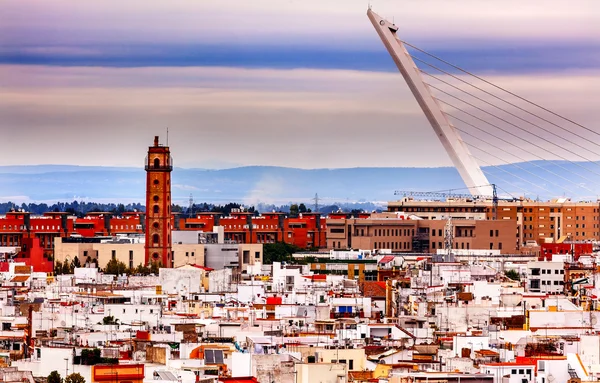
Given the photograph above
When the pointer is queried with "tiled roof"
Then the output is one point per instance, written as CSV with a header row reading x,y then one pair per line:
x,y
387,259
373,289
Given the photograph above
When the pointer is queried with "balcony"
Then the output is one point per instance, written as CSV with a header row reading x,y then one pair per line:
x,y
157,166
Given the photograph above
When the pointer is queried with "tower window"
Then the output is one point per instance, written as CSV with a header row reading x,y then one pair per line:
x,y
155,255
155,209
156,163
155,182
155,225
155,238
155,198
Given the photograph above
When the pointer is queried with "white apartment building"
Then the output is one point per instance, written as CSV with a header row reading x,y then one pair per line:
x,y
545,277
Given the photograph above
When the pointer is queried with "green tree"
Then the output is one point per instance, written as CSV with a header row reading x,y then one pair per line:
x,y
294,210
512,274
75,263
302,208
154,268
66,268
109,320
58,268
115,267
279,252
75,378
143,270
54,377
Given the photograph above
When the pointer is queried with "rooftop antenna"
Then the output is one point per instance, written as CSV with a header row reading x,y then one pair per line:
x,y
167,136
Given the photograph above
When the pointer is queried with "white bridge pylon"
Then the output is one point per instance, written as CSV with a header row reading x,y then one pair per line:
x,y
461,157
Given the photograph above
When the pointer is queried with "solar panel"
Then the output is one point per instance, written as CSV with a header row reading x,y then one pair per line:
x,y
213,357
209,356
218,356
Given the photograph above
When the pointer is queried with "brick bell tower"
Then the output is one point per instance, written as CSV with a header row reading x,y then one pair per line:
x,y
158,205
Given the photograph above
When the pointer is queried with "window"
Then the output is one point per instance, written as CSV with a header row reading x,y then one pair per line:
x,y
351,364
155,209
131,259
155,239
156,163
155,198
113,254
491,234
491,246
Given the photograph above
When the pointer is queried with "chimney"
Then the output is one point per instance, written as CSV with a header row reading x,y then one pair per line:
x,y
155,140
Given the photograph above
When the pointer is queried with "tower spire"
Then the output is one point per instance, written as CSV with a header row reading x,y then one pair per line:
x,y
158,205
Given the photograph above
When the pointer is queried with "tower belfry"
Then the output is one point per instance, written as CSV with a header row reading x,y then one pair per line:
x,y
460,155
159,165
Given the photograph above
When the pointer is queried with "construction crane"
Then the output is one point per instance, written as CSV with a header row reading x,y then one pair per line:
x,y
450,194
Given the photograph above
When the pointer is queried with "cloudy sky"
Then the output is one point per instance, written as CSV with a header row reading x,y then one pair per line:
x,y
274,82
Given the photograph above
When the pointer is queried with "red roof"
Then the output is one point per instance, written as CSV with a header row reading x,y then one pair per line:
x,y
316,277
372,289
202,267
387,259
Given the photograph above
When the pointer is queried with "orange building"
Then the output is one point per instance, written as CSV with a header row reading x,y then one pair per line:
x,y
117,373
537,221
308,230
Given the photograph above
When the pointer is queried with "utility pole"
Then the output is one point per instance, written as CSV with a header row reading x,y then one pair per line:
x,y
316,199
191,206
449,238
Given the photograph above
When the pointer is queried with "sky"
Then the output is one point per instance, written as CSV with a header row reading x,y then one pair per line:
x,y
290,83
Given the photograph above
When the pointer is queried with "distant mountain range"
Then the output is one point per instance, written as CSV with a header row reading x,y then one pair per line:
x,y
278,185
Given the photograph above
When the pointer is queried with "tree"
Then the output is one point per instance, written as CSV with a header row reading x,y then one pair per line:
x,y
302,208
279,252
143,270
54,377
75,263
512,274
58,268
154,268
115,267
75,378
109,320
294,210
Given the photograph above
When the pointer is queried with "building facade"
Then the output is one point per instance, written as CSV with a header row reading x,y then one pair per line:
x,y
537,221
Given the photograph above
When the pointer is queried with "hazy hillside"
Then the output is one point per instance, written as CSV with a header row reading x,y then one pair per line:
x,y
270,184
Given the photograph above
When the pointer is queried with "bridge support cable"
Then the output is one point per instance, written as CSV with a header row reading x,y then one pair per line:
x,y
520,159
558,146
569,171
503,109
516,136
537,186
520,168
506,91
